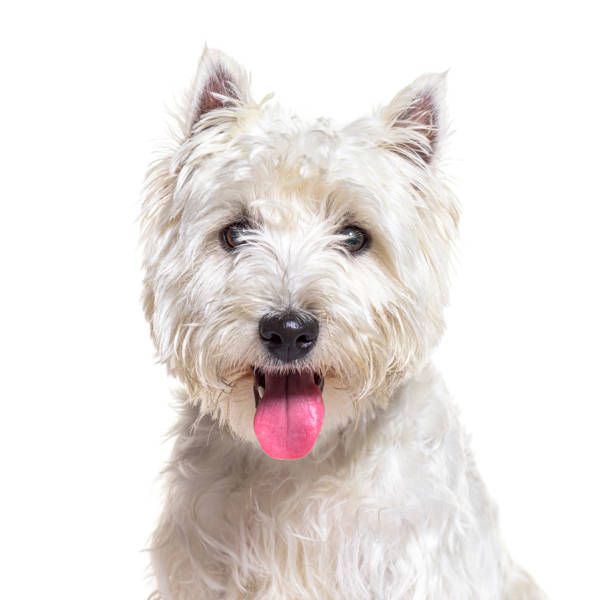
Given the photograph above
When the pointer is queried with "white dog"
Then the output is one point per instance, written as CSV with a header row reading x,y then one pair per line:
x,y
296,276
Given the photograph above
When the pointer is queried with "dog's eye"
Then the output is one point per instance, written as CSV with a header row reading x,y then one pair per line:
x,y
355,239
233,235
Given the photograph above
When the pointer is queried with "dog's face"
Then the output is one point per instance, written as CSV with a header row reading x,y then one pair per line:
x,y
296,272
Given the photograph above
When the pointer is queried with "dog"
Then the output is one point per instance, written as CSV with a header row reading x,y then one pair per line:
x,y
295,277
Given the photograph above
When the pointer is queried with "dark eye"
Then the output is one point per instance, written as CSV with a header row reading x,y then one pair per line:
x,y
233,235
355,239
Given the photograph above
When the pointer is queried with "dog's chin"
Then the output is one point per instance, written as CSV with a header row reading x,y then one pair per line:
x,y
289,411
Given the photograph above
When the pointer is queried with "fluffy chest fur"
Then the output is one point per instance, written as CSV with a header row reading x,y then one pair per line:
x,y
391,509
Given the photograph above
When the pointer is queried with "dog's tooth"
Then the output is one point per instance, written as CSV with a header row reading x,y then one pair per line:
x,y
260,391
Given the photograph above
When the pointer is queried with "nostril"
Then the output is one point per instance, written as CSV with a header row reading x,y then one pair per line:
x,y
303,341
274,339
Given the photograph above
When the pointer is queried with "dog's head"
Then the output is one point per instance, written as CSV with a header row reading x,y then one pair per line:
x,y
291,268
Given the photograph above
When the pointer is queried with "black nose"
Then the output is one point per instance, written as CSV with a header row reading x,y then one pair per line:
x,y
289,336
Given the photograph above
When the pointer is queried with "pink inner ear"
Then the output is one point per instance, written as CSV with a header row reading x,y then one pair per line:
x,y
219,82
421,116
420,112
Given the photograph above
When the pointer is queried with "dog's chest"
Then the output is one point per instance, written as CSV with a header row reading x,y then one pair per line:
x,y
328,533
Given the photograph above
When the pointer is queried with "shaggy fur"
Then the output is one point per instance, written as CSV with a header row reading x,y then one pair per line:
x,y
388,504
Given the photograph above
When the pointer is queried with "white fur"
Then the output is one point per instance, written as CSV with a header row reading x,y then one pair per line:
x,y
389,504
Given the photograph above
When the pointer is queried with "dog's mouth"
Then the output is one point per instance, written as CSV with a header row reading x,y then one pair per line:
x,y
289,412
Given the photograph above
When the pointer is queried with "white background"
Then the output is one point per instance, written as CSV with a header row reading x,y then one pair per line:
x,y
85,93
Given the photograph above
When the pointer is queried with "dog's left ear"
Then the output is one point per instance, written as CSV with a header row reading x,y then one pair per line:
x,y
416,120
219,87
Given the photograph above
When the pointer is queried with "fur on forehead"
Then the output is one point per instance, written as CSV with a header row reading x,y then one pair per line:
x,y
288,180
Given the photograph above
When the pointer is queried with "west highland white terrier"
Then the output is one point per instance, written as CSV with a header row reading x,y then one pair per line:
x,y
295,281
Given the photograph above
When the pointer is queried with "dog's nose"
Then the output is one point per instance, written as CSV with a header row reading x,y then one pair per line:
x,y
289,336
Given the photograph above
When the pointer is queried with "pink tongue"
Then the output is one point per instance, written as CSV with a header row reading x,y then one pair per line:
x,y
289,416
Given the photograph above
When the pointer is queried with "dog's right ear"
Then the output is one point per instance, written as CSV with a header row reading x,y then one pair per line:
x,y
220,85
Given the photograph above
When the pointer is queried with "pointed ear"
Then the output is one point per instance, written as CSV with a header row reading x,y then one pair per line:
x,y
219,83
416,119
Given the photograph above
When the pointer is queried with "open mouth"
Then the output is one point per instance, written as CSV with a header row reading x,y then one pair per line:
x,y
289,412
